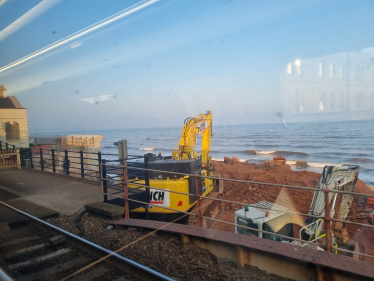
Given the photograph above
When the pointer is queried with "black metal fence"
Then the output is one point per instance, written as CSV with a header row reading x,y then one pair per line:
x,y
92,166
5,147
114,176
82,164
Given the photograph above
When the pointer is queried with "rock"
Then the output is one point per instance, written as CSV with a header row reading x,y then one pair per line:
x,y
235,160
227,160
301,164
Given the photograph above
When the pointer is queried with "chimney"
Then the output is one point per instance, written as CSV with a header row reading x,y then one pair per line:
x,y
2,91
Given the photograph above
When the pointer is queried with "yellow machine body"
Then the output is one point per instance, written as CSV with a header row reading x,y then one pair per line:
x,y
169,199
185,150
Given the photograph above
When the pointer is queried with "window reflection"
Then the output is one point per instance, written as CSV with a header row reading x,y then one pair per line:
x,y
345,93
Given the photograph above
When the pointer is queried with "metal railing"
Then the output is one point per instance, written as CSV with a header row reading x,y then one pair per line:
x,y
117,175
75,163
9,156
114,173
82,164
327,218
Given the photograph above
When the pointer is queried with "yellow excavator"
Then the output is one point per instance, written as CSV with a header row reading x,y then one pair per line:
x,y
185,159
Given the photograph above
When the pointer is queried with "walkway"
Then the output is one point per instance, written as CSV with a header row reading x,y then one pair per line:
x,y
58,193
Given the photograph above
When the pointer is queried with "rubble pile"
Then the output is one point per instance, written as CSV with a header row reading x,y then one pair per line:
x,y
295,199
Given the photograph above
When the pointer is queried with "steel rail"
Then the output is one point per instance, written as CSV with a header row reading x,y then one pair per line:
x,y
189,213
121,189
251,205
352,252
354,223
257,230
122,258
255,182
282,236
4,276
221,200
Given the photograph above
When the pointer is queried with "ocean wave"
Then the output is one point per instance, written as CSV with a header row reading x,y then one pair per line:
x,y
277,152
368,170
265,152
221,159
309,146
333,137
313,164
361,160
269,145
147,148
321,165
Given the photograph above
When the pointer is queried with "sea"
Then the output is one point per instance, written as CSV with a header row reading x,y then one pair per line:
x,y
319,144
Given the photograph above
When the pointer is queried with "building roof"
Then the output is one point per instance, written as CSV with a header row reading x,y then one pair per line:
x,y
10,103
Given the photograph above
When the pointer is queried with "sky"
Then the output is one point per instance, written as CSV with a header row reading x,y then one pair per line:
x,y
126,64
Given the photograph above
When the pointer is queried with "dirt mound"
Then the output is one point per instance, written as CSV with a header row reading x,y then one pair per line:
x,y
296,199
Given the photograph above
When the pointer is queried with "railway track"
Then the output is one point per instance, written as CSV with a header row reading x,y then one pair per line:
x,y
36,250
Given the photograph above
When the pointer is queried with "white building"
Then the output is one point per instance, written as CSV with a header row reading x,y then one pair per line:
x,y
13,120
327,88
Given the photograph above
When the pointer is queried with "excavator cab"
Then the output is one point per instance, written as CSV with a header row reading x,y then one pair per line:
x,y
273,219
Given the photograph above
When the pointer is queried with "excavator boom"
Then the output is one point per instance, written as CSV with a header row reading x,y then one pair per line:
x,y
342,178
193,128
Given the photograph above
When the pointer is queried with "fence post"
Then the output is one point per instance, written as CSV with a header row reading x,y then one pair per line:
x,y
147,190
31,160
99,162
41,159
53,161
328,220
127,208
22,156
6,146
67,164
19,159
82,164
103,178
198,200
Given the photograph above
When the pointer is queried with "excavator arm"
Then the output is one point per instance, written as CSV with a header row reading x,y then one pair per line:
x,y
192,129
342,178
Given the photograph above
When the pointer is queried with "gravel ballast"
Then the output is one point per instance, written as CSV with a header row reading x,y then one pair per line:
x,y
161,252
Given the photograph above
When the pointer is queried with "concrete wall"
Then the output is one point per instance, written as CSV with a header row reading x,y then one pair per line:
x,y
15,115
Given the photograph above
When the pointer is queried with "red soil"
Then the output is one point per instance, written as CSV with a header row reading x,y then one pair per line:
x,y
296,199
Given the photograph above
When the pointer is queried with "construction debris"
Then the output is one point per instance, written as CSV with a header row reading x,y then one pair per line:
x,y
297,200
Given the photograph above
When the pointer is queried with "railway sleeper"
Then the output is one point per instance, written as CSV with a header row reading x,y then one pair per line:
x,y
19,241
54,241
46,273
38,260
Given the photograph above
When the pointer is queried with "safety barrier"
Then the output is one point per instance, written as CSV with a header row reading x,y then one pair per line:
x,y
9,156
81,164
327,218
112,174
